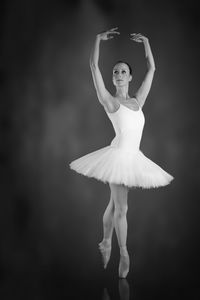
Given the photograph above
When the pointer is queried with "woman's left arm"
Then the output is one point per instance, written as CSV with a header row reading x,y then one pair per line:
x,y
144,89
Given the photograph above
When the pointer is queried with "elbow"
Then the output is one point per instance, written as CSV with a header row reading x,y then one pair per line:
x,y
151,66
93,65
152,69
90,61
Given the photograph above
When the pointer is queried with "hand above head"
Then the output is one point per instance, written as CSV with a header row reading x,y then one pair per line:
x,y
138,37
107,35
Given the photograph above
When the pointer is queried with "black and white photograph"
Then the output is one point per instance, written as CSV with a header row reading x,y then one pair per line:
x,y
99,149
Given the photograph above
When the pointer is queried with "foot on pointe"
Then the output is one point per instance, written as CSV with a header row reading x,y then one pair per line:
x,y
105,249
124,262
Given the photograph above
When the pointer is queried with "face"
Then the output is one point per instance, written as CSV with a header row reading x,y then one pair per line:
x,y
121,74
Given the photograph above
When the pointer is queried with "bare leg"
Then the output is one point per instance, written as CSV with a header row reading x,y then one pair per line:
x,y
108,221
120,196
108,226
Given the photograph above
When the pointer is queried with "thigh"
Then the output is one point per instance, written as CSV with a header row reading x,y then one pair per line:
x,y
111,201
119,194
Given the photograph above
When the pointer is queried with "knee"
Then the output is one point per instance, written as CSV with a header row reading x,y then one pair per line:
x,y
121,210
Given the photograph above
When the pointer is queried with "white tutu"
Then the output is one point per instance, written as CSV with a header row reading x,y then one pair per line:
x,y
122,162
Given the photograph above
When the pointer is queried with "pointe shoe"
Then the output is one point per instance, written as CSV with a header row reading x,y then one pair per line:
x,y
124,264
124,289
105,252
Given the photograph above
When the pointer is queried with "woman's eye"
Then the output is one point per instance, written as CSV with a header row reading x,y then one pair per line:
x,y
115,72
123,72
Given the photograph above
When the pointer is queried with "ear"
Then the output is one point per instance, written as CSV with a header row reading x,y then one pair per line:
x,y
130,77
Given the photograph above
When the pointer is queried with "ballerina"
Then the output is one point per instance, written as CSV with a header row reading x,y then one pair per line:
x,y
121,164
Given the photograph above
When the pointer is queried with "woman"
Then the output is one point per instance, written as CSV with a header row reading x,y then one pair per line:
x,y
121,164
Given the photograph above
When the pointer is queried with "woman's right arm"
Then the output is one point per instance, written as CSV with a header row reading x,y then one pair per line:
x,y
102,92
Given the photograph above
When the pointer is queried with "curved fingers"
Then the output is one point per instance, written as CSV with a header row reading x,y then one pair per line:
x,y
111,32
113,29
136,39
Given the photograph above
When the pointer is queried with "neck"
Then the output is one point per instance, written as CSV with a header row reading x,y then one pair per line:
x,y
122,92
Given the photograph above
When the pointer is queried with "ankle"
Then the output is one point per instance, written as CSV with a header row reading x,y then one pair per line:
x,y
105,243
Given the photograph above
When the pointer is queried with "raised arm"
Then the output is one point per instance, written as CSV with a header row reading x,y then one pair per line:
x,y
144,89
102,93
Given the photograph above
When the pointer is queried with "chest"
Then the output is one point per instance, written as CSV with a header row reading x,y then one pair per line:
x,y
131,105
113,105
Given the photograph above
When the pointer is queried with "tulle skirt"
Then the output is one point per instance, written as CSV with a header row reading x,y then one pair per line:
x,y
113,165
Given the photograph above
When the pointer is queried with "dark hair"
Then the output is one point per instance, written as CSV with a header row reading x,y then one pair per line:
x,y
124,62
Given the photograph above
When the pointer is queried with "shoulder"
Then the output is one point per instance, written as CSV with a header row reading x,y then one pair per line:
x,y
137,101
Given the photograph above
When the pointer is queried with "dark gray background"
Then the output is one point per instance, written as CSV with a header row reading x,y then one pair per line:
x,y
51,217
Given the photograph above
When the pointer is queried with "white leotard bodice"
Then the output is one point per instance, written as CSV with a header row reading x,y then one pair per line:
x,y
128,125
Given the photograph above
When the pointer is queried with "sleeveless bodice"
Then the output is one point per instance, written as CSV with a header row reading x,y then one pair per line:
x,y
128,126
